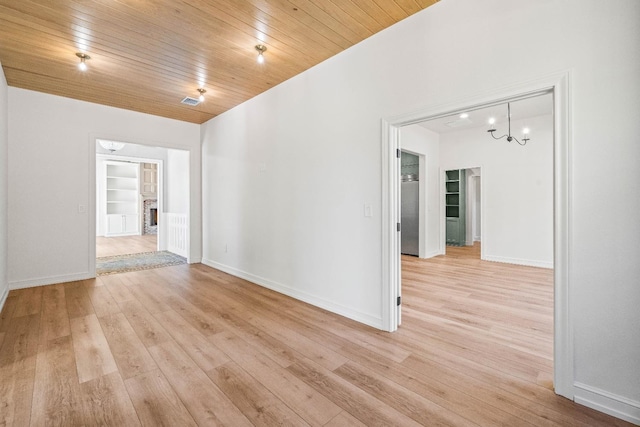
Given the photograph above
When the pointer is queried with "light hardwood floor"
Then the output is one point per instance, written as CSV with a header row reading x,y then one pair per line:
x,y
111,246
189,345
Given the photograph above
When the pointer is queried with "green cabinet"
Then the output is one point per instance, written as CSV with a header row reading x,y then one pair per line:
x,y
455,207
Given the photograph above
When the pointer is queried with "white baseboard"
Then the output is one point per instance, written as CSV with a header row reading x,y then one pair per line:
x,y
3,298
42,281
519,261
367,319
432,254
609,403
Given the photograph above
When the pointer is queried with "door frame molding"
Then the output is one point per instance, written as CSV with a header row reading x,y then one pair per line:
x,y
559,85
474,180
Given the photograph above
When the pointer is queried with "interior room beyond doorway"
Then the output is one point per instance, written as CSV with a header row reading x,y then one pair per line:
x,y
492,200
114,246
142,202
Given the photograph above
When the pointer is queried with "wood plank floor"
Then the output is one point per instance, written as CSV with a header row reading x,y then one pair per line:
x,y
123,245
189,345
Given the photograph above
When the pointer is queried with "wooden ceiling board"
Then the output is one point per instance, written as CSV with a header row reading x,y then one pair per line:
x,y
127,50
147,55
299,20
102,96
392,8
359,30
113,68
409,6
372,9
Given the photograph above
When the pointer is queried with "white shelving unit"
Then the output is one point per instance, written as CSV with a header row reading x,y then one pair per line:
x,y
122,197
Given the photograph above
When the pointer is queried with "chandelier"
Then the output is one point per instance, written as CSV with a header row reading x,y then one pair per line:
x,y
525,131
111,145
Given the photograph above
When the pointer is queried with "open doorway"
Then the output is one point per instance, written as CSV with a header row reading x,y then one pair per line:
x,y
142,205
463,209
410,203
557,86
499,313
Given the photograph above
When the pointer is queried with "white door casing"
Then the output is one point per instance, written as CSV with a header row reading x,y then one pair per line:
x,y
559,85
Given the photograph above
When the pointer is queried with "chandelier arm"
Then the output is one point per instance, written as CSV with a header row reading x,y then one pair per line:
x,y
497,137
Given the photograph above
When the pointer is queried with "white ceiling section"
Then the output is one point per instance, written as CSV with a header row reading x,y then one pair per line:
x,y
521,109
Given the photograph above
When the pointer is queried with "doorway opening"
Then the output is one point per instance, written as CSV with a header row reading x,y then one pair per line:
x,y
557,86
142,205
463,209
410,206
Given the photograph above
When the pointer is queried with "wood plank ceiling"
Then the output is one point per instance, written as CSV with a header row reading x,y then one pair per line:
x,y
147,55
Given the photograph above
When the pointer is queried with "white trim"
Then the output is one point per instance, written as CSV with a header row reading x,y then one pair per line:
x,y
390,217
563,374
3,298
50,280
609,403
177,233
431,254
519,261
559,84
365,318
471,237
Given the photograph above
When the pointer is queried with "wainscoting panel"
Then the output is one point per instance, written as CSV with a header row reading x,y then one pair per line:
x,y
177,233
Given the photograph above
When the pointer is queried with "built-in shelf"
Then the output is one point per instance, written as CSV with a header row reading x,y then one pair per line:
x,y
455,207
122,198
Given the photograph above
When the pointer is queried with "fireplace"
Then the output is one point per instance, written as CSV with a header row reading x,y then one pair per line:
x,y
150,216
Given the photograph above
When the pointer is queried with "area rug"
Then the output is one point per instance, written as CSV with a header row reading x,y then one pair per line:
x,y
133,262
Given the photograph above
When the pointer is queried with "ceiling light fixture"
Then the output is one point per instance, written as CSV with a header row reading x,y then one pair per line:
x,y
464,116
202,92
261,50
111,145
83,57
492,129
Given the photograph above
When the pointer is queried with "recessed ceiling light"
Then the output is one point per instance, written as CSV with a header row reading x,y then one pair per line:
x,y
464,116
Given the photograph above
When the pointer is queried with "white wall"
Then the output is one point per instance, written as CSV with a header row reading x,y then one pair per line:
x,y
287,173
426,143
518,189
52,147
177,184
4,144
